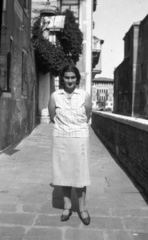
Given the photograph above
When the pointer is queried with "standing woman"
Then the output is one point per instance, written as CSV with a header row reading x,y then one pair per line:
x,y
70,109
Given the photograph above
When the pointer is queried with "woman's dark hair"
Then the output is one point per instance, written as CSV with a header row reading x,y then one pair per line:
x,y
69,68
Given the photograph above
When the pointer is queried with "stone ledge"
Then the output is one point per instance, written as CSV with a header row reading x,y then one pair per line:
x,y
43,120
131,121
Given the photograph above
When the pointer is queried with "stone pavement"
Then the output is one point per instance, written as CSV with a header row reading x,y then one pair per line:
x,y
30,207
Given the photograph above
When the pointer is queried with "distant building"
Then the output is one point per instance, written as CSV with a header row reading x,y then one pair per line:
x,y
141,88
131,76
127,73
102,92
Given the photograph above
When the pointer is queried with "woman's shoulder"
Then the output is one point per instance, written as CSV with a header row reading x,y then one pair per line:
x,y
83,92
80,91
57,92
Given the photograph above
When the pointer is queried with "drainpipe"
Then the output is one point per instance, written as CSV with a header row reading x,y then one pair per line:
x,y
88,66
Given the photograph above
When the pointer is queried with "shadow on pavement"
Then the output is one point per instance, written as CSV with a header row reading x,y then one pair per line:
x,y
57,198
10,151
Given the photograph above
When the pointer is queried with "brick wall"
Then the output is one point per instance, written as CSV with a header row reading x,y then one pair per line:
x,y
127,139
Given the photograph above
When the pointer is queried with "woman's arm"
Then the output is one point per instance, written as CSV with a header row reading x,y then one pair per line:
x,y
88,106
51,107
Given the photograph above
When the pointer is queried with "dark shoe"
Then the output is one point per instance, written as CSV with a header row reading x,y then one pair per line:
x,y
66,217
86,220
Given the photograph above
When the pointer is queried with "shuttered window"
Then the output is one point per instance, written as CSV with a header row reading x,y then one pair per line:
x,y
72,5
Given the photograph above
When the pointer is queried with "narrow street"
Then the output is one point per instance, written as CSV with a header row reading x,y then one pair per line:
x,y
30,207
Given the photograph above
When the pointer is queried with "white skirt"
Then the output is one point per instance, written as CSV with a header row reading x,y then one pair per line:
x,y
70,162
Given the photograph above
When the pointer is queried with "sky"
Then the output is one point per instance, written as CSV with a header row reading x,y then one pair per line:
x,y
113,19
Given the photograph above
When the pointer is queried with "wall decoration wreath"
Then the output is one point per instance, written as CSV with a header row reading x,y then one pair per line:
x,y
51,57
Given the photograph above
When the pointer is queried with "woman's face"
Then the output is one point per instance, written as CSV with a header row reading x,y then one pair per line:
x,y
69,81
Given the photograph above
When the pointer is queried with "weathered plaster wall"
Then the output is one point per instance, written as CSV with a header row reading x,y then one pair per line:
x,y
18,113
127,139
18,94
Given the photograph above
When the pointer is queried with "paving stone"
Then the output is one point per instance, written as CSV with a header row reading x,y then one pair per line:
x,y
44,234
136,224
99,212
31,208
12,233
54,221
129,212
118,235
140,236
48,209
28,196
16,218
84,234
8,207
117,200
8,198
106,223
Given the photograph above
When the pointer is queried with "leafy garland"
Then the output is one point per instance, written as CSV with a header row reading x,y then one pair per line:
x,y
50,57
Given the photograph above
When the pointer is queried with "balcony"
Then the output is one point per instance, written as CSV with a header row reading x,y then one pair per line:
x,y
96,55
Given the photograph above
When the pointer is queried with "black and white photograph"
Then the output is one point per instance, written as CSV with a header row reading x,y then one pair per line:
x,y
74,120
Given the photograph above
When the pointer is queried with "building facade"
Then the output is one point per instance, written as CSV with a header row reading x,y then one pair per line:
x,y
141,108
17,73
102,93
127,73
131,76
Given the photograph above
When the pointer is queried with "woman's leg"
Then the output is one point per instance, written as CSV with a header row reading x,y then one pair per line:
x,y
67,199
81,193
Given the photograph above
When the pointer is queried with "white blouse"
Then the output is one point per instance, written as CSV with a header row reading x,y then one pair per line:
x,y
70,119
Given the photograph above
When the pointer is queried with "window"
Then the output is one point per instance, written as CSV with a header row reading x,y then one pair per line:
x,y
72,5
3,17
56,81
24,73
